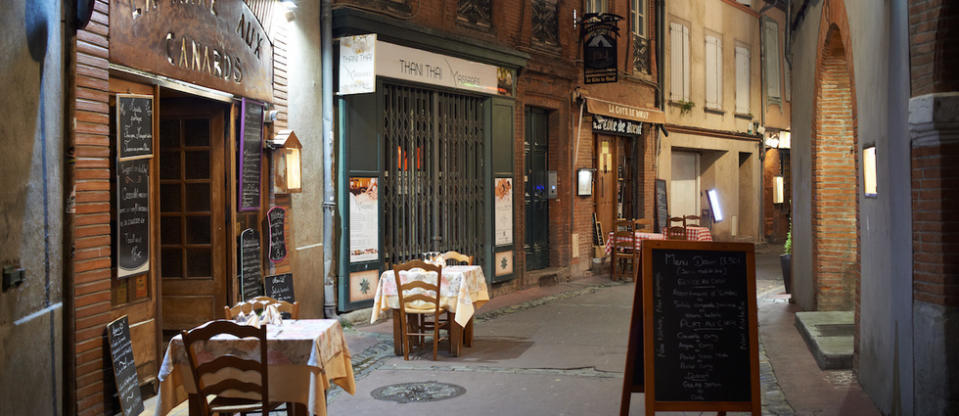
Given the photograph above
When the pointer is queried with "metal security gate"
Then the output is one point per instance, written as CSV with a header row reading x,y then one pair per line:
x,y
434,181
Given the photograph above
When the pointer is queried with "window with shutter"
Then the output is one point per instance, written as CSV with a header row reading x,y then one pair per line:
x,y
742,80
678,62
714,73
771,41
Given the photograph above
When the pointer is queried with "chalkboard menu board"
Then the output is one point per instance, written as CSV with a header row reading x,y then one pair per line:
x,y
251,134
250,272
662,209
133,217
699,323
276,218
280,287
124,367
134,125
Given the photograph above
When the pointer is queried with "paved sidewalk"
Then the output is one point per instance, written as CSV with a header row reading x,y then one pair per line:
x,y
560,350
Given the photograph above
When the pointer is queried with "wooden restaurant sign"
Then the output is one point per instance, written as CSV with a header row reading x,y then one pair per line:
x,y
219,44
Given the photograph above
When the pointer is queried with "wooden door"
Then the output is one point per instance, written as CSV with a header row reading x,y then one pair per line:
x,y
192,212
606,178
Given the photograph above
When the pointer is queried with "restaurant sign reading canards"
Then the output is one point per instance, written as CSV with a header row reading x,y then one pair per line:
x,y
218,44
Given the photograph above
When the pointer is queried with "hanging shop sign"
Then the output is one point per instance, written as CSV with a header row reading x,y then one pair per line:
x,y
616,126
615,110
600,32
357,64
218,44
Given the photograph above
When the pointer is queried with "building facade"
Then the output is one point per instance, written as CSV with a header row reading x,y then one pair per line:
x,y
874,116
726,94
177,201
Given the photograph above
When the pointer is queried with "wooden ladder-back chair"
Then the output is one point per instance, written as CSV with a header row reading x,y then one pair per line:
x,y
226,405
676,222
643,225
457,257
427,293
624,249
676,233
691,221
260,302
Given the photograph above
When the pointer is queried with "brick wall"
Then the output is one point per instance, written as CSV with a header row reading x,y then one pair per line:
x,y
90,147
935,224
835,206
934,45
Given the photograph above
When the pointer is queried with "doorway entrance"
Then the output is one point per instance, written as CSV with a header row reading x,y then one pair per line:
x,y
619,179
193,243
684,184
537,198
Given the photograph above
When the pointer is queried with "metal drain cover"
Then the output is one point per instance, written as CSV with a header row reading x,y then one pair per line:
x,y
427,391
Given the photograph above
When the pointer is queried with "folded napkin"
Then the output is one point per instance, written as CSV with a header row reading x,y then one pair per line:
x,y
251,319
271,315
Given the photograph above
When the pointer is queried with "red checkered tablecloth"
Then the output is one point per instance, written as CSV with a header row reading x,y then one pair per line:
x,y
692,233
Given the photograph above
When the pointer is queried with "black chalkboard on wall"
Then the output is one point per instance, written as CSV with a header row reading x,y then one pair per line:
x,y
251,285
276,219
134,126
124,367
250,155
133,217
662,207
700,343
280,287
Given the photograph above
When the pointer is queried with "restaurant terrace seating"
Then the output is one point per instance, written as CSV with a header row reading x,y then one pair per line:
x,y
260,302
624,249
455,257
676,233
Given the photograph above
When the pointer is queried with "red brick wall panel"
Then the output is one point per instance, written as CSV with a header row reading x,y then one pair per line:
x,y
934,46
935,223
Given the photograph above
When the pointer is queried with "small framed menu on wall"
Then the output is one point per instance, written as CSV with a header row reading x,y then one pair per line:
x,y
134,126
133,217
250,155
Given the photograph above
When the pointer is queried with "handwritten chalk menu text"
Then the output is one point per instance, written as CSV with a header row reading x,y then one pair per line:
x,y
701,336
276,218
251,134
250,282
124,368
134,125
280,287
133,217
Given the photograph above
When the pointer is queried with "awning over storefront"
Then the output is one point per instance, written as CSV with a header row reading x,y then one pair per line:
x,y
623,111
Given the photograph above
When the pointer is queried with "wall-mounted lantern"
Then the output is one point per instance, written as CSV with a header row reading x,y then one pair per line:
x,y
870,188
778,191
717,210
286,162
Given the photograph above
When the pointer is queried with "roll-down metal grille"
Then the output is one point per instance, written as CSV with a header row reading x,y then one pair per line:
x,y
433,187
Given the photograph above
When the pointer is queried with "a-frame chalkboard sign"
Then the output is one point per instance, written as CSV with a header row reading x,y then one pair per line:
x,y
699,345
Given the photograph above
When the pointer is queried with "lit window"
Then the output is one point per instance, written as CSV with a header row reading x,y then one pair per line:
x,y
595,6
869,172
638,17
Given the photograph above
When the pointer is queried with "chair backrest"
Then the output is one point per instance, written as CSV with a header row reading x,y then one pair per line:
x,y
679,222
676,233
418,290
202,334
643,225
457,257
260,302
691,221
623,237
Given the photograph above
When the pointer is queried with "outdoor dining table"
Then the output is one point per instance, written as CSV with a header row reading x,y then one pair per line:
x,y
304,357
692,233
462,291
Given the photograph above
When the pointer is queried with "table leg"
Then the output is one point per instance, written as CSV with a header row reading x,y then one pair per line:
x,y
468,334
196,405
397,333
456,337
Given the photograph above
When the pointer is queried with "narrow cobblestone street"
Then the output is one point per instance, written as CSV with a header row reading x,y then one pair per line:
x,y
560,350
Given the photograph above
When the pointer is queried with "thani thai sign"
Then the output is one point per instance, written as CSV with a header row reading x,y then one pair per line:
x,y
218,44
362,58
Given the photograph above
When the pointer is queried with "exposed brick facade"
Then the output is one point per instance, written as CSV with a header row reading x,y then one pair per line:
x,y
835,209
933,46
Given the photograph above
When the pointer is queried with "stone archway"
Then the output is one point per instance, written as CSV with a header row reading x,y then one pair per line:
x,y
835,179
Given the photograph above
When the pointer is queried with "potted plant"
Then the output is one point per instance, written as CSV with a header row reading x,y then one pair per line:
x,y
786,260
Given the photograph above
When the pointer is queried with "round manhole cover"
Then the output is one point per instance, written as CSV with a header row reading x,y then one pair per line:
x,y
428,391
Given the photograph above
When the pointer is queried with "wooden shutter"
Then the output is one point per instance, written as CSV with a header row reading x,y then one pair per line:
x,y
714,72
742,80
676,53
685,62
772,60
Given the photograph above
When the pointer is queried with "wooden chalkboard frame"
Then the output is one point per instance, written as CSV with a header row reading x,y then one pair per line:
x,y
652,405
123,153
268,285
244,150
124,366
270,235
662,207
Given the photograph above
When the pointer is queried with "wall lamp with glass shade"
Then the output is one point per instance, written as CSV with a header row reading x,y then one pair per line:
x,y
869,183
286,162
714,205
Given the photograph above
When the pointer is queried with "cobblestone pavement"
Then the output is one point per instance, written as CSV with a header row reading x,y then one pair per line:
x,y
372,358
